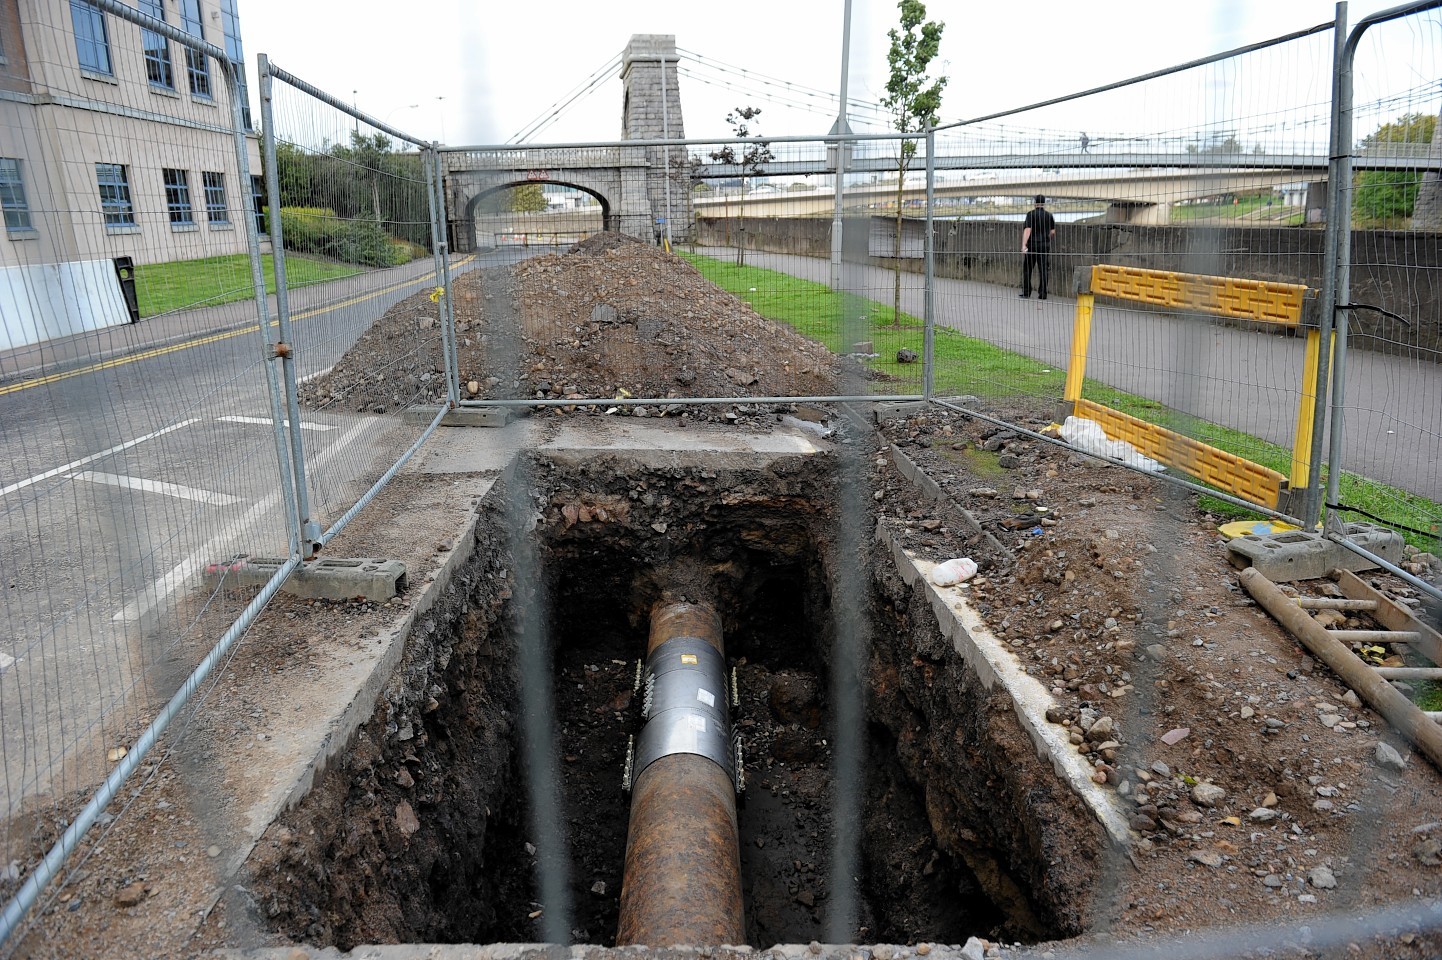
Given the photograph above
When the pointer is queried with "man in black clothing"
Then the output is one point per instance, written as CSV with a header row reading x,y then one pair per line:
x,y
1037,234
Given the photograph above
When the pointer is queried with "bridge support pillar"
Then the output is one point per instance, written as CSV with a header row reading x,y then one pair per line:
x,y
1139,214
1317,202
652,111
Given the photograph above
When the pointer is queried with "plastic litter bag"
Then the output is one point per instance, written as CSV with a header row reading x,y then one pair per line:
x,y
953,571
1087,435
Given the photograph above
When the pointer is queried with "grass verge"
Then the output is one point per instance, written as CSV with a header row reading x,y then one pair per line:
x,y
966,365
165,287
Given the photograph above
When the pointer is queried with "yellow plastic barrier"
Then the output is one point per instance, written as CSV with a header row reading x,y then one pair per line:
x,y
1256,300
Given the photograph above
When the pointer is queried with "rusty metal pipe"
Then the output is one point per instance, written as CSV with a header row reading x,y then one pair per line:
x,y
682,880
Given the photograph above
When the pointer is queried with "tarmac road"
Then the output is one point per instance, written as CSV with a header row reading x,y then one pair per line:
x,y
131,458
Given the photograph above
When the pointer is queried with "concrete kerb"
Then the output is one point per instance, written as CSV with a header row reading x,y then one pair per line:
x,y
932,489
994,665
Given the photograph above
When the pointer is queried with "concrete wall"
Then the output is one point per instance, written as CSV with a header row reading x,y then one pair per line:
x,y
1397,270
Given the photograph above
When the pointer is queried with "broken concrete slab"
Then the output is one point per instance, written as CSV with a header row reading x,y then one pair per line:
x,y
329,578
462,416
1298,555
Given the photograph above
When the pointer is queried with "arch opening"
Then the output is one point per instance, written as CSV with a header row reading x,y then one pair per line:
x,y
526,213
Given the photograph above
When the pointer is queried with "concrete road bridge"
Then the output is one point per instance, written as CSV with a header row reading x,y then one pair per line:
x,y
645,189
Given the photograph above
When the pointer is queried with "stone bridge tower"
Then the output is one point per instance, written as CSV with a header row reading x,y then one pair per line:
x,y
652,111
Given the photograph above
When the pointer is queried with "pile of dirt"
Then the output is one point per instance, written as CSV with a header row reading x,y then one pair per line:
x,y
613,318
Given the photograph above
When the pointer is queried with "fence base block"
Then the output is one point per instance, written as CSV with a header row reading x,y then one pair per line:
x,y
1299,555
462,416
331,578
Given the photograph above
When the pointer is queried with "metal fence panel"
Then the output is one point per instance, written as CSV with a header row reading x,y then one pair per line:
x,y
138,418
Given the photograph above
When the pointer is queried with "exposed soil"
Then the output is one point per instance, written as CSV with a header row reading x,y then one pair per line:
x,y
1123,600
610,318
1119,596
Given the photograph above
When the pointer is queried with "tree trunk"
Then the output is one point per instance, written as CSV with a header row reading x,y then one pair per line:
x,y
741,229
896,252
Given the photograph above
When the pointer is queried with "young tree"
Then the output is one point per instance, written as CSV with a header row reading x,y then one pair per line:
x,y
752,156
914,99
527,198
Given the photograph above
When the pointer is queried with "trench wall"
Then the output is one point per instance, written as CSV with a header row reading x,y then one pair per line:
x,y
1397,270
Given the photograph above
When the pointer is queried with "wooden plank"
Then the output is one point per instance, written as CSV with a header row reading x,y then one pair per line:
x,y
1393,615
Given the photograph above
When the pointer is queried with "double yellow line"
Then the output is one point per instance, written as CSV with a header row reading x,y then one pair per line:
x,y
214,338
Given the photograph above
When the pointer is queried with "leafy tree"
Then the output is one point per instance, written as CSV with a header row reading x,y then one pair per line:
x,y
752,156
527,198
1391,195
914,99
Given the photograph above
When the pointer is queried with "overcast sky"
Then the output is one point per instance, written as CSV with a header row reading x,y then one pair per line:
x,y
480,72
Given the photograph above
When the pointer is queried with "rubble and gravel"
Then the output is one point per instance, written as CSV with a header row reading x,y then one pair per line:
x,y
608,319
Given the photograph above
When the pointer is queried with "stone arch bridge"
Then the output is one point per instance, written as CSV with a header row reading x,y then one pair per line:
x,y
629,182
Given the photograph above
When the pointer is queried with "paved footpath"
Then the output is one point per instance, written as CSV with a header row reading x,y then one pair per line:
x,y
1236,377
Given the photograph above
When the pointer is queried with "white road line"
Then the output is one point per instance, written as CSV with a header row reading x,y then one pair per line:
x,y
267,421
177,490
182,572
22,484
5,661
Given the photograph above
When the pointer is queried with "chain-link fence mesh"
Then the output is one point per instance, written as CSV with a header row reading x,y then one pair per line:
x,y
1392,420
132,359
370,348
796,268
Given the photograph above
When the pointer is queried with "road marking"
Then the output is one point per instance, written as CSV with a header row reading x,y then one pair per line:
x,y
177,490
5,661
216,338
181,573
22,484
319,373
267,421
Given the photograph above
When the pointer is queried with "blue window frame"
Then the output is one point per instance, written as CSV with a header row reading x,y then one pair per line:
x,y
92,42
177,197
114,182
215,209
197,64
12,196
157,49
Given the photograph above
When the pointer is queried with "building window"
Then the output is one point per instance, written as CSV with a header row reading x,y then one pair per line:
x,y
92,43
12,196
230,25
114,183
215,209
257,203
197,64
157,48
177,196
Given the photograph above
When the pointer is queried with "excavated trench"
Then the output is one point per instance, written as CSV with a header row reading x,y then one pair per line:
x,y
423,831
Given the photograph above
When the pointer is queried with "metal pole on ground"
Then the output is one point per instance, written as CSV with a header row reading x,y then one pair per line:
x,y
284,350
440,249
1311,509
666,135
928,348
842,148
1341,255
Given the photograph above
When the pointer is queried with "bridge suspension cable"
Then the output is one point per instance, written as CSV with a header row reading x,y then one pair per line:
x,y
766,95
553,113
796,89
